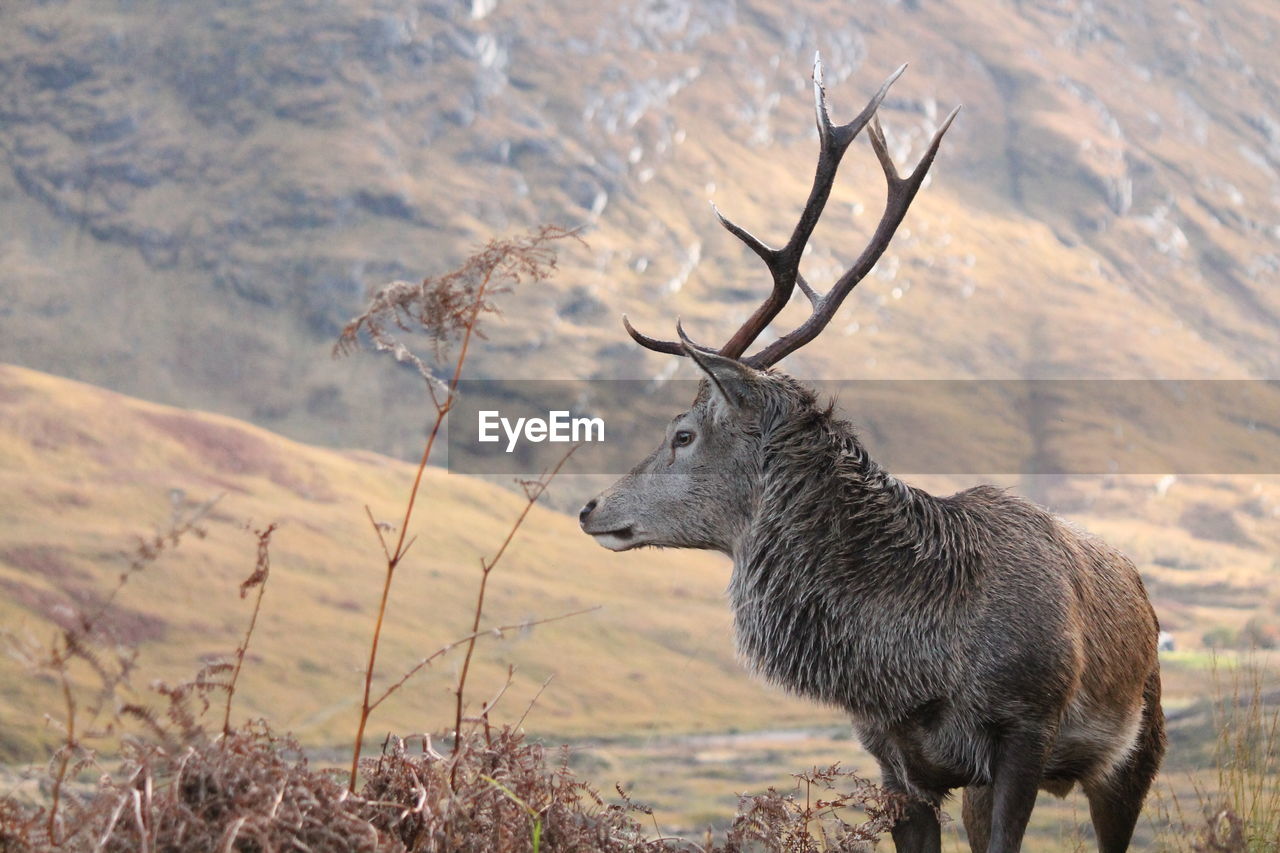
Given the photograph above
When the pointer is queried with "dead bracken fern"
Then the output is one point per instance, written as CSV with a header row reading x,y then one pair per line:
x,y
179,783
249,790
91,649
821,821
101,708
258,580
181,721
497,793
447,310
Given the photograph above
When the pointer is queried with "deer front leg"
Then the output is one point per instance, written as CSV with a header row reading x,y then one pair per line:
x,y
1017,768
918,830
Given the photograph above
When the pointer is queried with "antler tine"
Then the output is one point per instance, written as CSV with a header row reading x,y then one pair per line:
x,y
808,291
784,263
753,242
668,347
900,193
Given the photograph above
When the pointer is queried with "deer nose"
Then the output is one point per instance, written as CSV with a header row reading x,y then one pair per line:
x,y
586,511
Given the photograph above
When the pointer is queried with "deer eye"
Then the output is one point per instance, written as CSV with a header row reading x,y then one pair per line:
x,y
682,438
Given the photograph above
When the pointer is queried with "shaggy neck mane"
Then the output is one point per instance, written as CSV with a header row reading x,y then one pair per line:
x,y
838,558
831,509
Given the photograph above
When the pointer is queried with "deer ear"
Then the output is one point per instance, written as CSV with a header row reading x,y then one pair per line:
x,y
729,378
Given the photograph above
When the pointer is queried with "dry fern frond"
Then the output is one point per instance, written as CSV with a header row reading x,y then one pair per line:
x,y
821,821
445,307
262,566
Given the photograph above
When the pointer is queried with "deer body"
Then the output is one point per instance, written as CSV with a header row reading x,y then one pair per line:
x,y
940,623
976,641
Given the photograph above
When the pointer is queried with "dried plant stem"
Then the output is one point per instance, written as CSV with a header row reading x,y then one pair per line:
x,y
498,630
68,746
258,579
446,308
536,697
395,556
365,707
533,491
485,569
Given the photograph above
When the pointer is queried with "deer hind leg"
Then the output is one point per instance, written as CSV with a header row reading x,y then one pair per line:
x,y
1114,807
1116,801
975,810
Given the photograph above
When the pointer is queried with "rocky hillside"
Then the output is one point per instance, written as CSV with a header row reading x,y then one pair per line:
x,y
194,196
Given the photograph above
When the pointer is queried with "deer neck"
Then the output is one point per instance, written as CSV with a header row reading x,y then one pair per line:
x,y
838,555
825,507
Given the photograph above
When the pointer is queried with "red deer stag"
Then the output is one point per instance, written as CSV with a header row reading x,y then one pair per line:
x,y
976,640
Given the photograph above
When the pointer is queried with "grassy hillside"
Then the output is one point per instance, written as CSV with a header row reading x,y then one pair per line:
x,y
646,688
83,471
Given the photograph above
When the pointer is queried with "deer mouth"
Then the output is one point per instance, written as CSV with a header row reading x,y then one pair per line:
x,y
621,539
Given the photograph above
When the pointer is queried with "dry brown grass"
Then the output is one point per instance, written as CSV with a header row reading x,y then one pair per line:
x,y
1235,807
254,790
173,782
446,309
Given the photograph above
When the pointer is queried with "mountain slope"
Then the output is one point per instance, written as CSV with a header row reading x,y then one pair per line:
x,y
83,471
195,196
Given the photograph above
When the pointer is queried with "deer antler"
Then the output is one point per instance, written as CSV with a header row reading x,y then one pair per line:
x,y
784,263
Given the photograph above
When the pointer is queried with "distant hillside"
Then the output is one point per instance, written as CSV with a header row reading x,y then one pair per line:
x,y
84,471
194,196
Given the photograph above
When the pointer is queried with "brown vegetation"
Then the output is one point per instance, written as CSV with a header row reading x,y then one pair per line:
x,y
169,781
447,310
253,789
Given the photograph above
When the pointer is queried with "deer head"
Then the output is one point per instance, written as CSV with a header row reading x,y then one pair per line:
x,y
698,488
